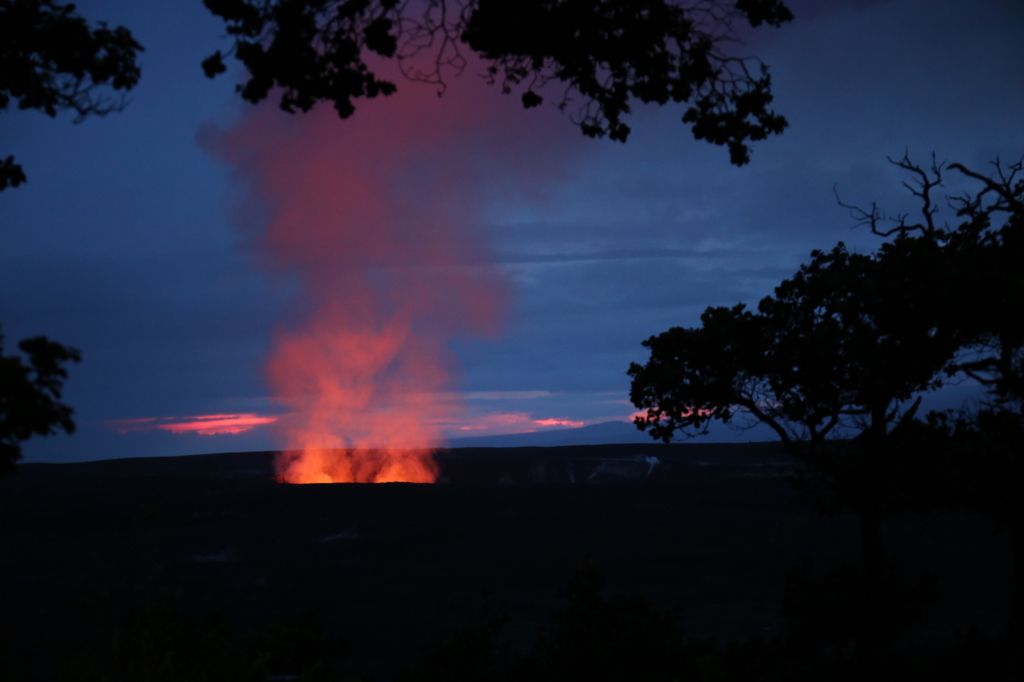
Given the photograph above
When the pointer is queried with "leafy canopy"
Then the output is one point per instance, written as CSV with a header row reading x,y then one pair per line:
x,y
52,60
30,395
837,360
850,337
839,344
603,54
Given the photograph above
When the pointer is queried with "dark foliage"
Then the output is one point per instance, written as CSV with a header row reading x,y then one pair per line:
x,y
30,396
980,284
476,653
837,360
603,54
596,638
592,639
981,452
11,174
158,642
978,454
822,608
834,362
624,637
152,637
843,339
52,60
593,636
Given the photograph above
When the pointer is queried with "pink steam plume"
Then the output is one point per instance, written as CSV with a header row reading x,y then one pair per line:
x,y
381,218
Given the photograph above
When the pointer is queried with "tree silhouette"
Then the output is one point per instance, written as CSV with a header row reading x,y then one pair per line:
x,y
835,362
51,60
991,256
603,54
980,450
30,396
983,283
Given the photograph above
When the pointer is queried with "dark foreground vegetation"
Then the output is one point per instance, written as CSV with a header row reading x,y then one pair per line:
x,y
203,568
837,362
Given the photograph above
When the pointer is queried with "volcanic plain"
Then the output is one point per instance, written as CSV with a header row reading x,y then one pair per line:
x,y
712,528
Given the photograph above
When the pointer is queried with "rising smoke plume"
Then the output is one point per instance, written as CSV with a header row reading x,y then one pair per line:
x,y
380,219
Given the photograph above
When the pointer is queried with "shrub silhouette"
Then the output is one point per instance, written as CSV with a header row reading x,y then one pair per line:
x,y
476,653
158,642
823,609
593,638
30,394
145,635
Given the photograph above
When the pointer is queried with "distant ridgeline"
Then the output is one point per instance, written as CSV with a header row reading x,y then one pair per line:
x,y
482,466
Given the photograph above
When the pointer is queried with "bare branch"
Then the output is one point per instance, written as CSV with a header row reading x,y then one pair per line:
x,y
1009,190
926,180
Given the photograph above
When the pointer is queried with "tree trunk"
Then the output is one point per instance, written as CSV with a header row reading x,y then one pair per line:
x,y
870,640
1015,626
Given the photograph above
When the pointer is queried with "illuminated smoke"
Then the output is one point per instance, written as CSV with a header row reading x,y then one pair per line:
x,y
379,218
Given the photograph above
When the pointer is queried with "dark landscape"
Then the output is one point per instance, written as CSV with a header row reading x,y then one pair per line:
x,y
712,528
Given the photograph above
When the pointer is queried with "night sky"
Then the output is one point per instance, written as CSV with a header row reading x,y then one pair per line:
x,y
162,241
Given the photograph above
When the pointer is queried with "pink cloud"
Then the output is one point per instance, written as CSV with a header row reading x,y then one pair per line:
x,y
558,422
207,425
505,423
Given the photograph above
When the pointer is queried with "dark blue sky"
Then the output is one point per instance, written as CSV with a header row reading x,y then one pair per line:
x,y
125,242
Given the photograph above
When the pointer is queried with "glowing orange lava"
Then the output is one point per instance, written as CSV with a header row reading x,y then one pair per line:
x,y
356,466
362,403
